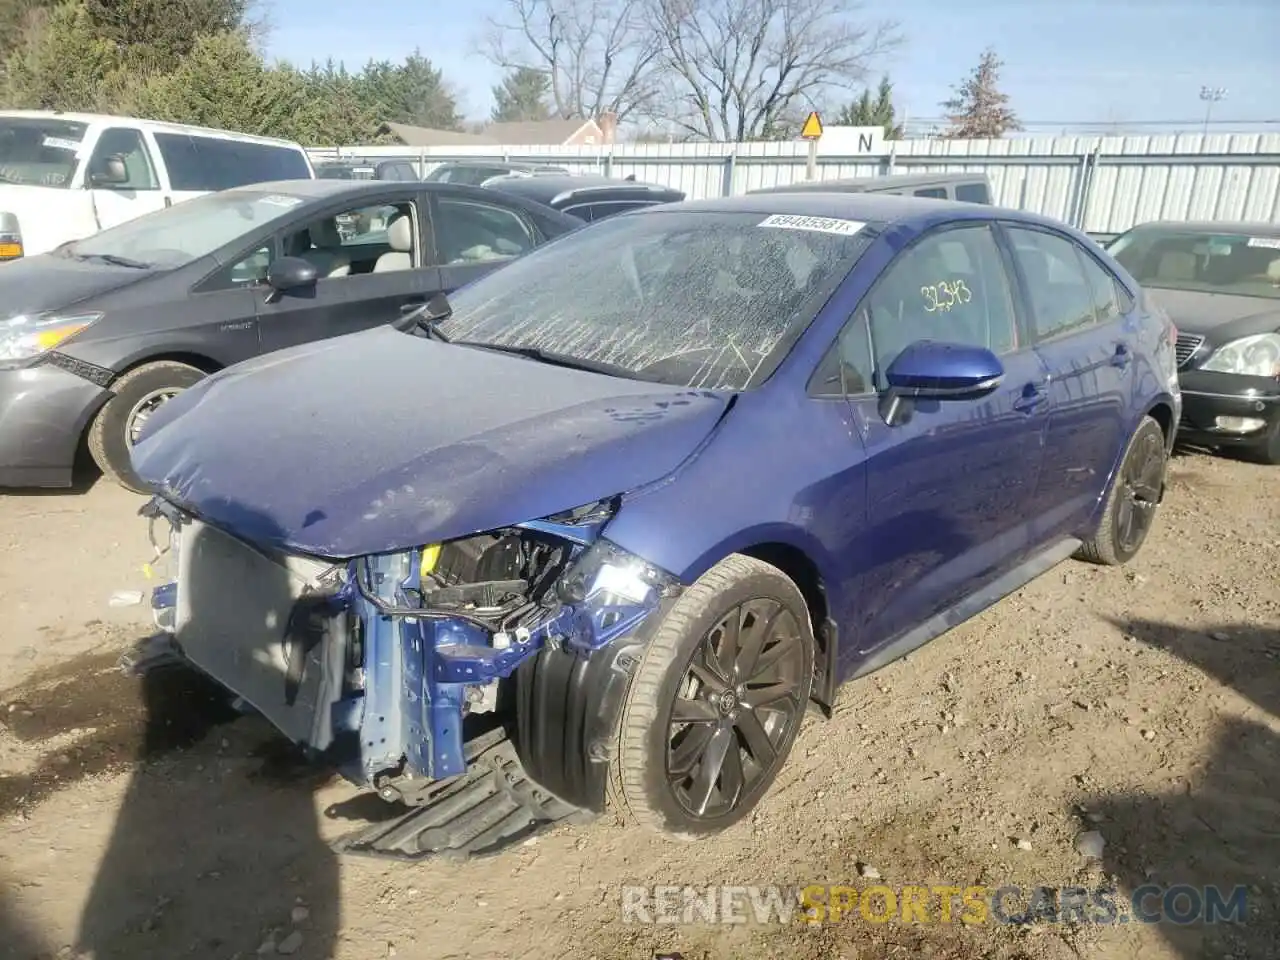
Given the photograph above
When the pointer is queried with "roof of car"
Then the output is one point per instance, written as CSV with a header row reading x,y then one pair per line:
x,y
868,207
548,188
1256,228
891,181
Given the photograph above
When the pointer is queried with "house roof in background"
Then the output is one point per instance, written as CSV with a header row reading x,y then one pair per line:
x,y
530,133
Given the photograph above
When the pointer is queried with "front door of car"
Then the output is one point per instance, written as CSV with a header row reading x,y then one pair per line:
x,y
118,200
1087,344
474,237
369,268
948,491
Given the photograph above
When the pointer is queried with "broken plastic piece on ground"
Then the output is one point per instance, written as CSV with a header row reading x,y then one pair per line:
x,y
155,651
491,807
125,598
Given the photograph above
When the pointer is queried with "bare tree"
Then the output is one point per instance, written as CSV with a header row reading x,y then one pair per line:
x,y
598,55
749,69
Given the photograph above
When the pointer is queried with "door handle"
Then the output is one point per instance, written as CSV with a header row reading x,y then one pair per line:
x,y
1033,395
1122,357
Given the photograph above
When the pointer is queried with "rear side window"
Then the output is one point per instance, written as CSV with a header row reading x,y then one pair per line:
x,y
468,231
1061,293
209,163
1109,301
973,193
936,193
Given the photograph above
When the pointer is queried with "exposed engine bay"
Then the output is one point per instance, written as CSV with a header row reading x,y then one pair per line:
x,y
394,667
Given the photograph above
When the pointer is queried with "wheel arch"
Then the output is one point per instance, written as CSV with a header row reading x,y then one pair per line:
x,y
202,362
808,565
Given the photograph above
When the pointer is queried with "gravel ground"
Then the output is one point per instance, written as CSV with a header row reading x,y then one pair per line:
x,y
1138,707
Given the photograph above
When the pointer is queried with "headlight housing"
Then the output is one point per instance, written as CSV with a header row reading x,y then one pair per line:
x,y
31,335
1256,356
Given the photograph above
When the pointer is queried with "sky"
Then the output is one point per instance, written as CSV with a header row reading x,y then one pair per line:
x,y
1069,62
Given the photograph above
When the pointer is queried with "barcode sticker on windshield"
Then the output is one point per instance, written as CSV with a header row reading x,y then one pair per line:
x,y
277,200
1271,243
60,143
787,221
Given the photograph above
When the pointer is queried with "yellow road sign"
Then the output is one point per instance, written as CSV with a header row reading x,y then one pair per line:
x,y
812,128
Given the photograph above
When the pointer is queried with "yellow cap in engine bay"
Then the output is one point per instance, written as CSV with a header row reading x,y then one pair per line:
x,y
430,557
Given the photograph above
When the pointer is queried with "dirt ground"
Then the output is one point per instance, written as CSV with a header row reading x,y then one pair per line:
x,y
141,821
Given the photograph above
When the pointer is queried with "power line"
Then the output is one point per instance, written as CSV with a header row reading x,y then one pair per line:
x,y
1118,123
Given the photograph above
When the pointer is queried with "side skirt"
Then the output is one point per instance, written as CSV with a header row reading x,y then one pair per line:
x,y
968,608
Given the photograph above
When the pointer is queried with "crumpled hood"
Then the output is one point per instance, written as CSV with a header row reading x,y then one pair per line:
x,y
380,441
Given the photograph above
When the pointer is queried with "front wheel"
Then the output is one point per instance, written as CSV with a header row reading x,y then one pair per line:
x,y
1131,502
717,701
138,394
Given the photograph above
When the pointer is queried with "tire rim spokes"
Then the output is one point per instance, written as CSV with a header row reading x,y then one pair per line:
x,y
736,706
143,409
1141,478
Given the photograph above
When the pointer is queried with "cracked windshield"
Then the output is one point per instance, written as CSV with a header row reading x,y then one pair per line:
x,y
700,300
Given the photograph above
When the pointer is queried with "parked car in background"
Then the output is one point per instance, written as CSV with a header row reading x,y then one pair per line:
x,y
95,336
586,197
642,495
402,170
1220,282
64,176
475,172
965,187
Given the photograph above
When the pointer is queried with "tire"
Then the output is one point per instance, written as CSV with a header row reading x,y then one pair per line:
x,y
738,589
1135,491
108,438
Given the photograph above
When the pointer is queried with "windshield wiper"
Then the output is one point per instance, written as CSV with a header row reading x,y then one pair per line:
x,y
560,360
114,260
426,317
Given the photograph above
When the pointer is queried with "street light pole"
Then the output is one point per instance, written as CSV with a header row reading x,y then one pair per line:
x,y
1210,96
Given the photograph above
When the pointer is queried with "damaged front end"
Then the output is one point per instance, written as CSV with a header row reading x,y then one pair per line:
x,y
495,662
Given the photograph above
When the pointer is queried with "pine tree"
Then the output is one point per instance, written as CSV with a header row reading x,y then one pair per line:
x,y
979,110
866,112
522,95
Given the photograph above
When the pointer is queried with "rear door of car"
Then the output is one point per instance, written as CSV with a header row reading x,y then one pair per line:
x,y
948,492
363,282
475,234
1083,326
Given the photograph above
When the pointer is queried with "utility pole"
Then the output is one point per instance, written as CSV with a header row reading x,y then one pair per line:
x,y
1210,96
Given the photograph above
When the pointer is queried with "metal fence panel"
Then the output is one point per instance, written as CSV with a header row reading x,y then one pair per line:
x,y
1103,184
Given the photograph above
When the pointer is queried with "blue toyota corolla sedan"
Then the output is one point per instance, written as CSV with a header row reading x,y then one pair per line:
x,y
600,529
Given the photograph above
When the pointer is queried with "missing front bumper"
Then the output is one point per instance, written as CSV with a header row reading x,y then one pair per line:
x,y
343,667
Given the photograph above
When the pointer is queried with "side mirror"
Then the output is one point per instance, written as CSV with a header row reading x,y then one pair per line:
x,y
111,173
289,273
936,370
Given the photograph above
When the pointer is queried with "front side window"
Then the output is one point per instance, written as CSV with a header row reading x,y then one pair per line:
x,y
126,144
708,300
1233,262
1062,298
185,232
468,231
38,152
362,240
950,286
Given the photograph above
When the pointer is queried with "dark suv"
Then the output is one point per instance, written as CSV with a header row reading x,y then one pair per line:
x,y
367,170
587,197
